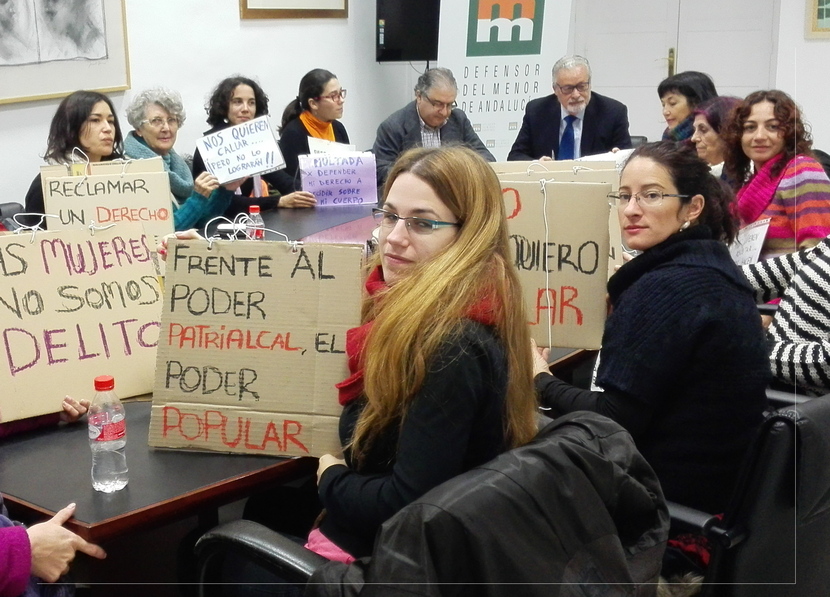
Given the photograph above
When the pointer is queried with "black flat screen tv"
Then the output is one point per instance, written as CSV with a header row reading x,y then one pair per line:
x,y
407,30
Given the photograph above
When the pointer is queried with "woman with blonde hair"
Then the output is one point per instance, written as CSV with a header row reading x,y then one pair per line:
x,y
441,378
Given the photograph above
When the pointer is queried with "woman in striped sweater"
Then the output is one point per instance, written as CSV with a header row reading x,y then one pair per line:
x,y
799,335
787,184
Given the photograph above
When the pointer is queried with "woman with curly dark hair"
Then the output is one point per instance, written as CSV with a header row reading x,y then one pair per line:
x,y
235,100
769,161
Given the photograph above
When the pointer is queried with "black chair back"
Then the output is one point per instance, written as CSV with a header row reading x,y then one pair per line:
x,y
774,540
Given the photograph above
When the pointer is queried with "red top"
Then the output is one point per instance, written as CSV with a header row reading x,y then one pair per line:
x,y
104,383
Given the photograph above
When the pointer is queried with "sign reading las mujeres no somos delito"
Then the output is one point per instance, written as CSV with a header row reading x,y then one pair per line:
x,y
242,150
74,306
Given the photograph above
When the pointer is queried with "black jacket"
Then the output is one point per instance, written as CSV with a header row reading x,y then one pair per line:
x,y
454,422
604,127
577,505
683,365
294,142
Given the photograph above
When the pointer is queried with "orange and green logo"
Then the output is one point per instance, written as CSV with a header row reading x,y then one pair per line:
x,y
505,27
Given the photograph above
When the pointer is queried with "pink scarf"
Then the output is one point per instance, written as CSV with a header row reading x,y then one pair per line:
x,y
756,195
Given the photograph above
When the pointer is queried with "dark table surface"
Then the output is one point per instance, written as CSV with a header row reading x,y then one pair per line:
x,y
299,223
43,471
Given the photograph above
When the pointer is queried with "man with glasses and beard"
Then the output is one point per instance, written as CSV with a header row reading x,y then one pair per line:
x,y
573,122
431,120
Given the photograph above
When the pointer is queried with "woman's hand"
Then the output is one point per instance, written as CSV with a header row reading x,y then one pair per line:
x,y
205,184
327,460
191,234
298,199
73,409
766,320
54,547
235,184
540,358
626,257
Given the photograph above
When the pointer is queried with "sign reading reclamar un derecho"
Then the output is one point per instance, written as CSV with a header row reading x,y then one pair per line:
x,y
343,178
113,193
242,150
559,238
74,306
252,342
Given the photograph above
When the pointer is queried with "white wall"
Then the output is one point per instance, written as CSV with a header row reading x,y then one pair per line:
x,y
190,45
803,70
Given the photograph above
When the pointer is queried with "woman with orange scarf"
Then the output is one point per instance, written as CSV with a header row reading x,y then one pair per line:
x,y
313,113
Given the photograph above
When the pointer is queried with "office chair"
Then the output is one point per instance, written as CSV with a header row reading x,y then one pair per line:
x,y
7,213
576,511
773,539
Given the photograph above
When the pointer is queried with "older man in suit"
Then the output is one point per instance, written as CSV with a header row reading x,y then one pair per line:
x,y
431,120
573,122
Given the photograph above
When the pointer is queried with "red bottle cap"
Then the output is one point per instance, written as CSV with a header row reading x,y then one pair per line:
x,y
104,383
254,209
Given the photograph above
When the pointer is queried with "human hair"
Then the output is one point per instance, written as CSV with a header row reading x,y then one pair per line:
x,y
695,86
426,307
164,98
312,86
435,77
570,63
220,98
692,176
797,139
717,110
69,120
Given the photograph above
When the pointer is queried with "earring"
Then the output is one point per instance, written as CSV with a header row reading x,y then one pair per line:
x,y
686,225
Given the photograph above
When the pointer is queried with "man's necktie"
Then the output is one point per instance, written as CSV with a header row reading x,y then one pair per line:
x,y
566,145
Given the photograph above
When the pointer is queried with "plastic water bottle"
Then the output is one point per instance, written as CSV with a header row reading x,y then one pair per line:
x,y
255,229
107,437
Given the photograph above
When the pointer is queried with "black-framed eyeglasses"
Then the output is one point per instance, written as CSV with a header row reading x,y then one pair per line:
x,y
159,122
569,89
440,105
652,198
387,219
333,96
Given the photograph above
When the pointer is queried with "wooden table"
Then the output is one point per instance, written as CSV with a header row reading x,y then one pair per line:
x,y
43,471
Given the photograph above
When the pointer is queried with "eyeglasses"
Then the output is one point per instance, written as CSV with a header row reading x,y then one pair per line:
x,y
569,89
440,105
158,122
333,96
423,226
646,199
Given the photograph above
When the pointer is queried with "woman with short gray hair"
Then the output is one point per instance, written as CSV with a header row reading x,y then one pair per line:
x,y
156,115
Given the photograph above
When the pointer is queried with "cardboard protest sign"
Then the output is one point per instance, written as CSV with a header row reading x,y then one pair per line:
x,y
74,306
559,238
610,176
241,150
550,166
316,146
252,342
346,178
133,191
747,245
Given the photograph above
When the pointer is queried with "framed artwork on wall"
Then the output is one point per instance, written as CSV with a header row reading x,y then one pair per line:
x,y
50,48
818,19
293,9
